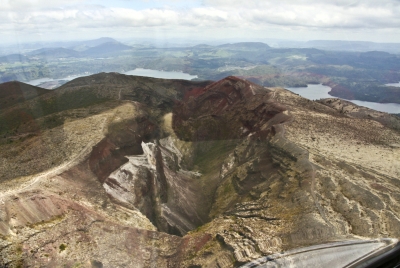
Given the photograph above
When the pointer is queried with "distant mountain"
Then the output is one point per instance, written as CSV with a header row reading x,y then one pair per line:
x,y
55,53
66,44
377,55
337,45
353,46
246,45
372,59
12,58
91,48
99,41
203,46
84,45
106,49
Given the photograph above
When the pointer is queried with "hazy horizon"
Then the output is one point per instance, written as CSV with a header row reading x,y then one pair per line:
x,y
60,20
284,43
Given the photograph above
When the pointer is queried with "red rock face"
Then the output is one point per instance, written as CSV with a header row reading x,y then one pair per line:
x,y
77,228
33,207
228,109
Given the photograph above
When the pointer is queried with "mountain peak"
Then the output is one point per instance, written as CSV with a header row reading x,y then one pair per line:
x,y
227,85
106,48
232,107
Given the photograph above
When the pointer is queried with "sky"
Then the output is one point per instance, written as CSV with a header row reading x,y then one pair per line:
x,y
62,20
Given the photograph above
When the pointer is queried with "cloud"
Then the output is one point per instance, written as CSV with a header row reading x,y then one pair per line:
x,y
317,14
269,3
31,5
31,16
317,17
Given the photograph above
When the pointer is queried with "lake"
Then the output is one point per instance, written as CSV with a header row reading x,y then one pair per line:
x,y
393,84
160,74
314,92
37,82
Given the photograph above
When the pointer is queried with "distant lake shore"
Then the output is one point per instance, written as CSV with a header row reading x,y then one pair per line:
x,y
319,91
312,91
43,82
393,84
160,74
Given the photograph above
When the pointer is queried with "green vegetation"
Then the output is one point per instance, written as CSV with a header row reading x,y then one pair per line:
x,y
209,154
62,247
52,220
42,113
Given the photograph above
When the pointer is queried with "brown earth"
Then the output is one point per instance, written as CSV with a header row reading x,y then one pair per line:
x,y
216,175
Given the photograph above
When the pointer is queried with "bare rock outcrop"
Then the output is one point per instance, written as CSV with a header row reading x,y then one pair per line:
x,y
155,184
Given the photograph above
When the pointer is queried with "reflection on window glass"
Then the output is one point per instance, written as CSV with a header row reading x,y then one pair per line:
x,y
196,133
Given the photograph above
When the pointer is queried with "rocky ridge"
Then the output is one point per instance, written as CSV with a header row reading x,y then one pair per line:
x,y
210,175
